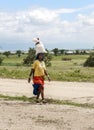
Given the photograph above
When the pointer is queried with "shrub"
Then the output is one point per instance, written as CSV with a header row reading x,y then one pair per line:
x,y
31,57
7,53
18,52
1,60
47,59
90,61
66,59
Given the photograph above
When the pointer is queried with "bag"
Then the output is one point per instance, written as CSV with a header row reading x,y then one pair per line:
x,y
36,89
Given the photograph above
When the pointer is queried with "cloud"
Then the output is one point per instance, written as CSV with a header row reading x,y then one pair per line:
x,y
86,19
49,25
43,14
63,11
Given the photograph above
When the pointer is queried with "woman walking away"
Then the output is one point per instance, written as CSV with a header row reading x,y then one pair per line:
x,y
38,72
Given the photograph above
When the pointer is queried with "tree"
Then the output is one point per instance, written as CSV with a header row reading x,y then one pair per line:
x,y
18,52
77,52
55,51
31,57
90,60
7,53
62,51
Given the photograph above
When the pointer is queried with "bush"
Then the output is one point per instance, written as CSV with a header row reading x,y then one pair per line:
x,y
1,60
90,61
31,57
66,59
7,53
47,59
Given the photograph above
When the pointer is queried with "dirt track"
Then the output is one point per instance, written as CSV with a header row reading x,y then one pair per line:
x,y
15,115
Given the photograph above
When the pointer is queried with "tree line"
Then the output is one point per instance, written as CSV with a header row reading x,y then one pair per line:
x,y
29,59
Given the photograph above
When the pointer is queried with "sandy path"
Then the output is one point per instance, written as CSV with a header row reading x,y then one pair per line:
x,y
56,90
16,115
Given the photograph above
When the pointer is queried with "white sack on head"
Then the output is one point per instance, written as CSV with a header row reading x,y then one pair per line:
x,y
35,40
40,48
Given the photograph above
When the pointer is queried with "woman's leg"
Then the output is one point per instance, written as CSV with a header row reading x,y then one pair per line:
x,y
42,93
38,96
41,90
42,96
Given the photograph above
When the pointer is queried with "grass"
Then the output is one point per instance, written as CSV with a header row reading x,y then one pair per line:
x,y
60,70
71,70
14,72
13,60
49,101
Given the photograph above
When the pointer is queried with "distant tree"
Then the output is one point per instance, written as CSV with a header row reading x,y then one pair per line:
x,y
90,60
7,53
77,52
30,57
56,51
18,52
62,51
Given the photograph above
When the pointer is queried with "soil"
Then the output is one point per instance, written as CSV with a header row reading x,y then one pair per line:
x,y
19,115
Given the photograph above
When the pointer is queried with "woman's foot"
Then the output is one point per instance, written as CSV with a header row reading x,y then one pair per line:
x,y
44,101
37,101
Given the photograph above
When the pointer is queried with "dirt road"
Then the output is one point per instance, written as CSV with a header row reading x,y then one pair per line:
x,y
17,115
79,91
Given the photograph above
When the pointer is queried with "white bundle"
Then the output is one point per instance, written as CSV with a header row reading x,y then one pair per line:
x,y
39,47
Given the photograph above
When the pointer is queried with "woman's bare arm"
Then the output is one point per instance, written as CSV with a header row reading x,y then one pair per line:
x,y
31,74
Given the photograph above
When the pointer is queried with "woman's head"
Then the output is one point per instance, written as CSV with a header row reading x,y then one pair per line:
x,y
40,56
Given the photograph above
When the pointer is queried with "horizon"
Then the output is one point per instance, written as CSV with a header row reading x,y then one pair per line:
x,y
26,48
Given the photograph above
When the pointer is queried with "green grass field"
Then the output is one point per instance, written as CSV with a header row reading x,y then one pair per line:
x,y
71,70
60,70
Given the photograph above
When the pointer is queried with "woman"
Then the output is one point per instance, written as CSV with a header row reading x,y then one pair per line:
x,y
38,71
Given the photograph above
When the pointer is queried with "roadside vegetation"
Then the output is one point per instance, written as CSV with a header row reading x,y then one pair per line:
x,y
32,100
61,67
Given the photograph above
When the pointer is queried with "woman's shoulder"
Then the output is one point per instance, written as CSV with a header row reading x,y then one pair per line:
x,y
36,61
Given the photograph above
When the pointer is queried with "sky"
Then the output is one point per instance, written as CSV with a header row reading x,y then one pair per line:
x,y
63,24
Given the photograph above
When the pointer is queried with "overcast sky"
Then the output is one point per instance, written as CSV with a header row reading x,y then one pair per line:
x,y
64,24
